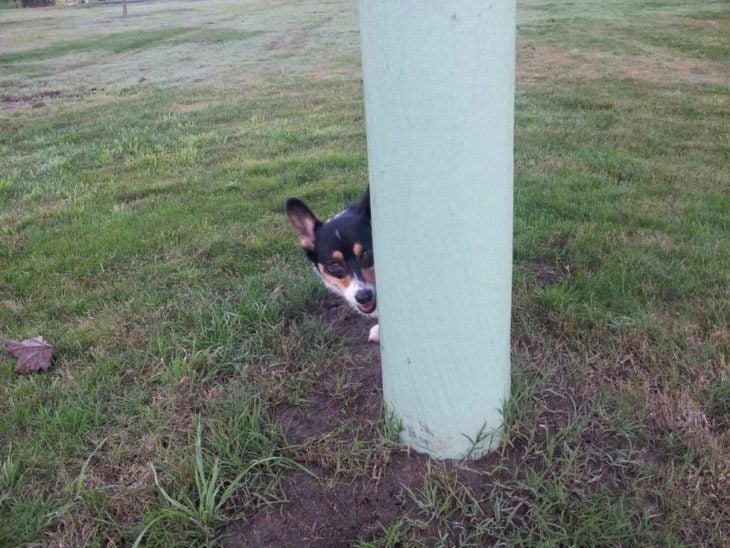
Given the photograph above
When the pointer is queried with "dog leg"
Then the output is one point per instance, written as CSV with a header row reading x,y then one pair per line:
x,y
374,335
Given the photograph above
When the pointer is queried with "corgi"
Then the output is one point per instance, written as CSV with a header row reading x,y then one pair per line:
x,y
341,251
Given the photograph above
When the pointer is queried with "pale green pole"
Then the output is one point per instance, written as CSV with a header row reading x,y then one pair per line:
x,y
439,100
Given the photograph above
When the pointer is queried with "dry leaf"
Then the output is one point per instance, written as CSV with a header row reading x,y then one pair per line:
x,y
569,269
33,354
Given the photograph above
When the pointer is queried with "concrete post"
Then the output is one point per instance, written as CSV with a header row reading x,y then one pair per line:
x,y
439,101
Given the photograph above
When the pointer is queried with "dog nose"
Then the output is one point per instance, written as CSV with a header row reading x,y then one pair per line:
x,y
364,296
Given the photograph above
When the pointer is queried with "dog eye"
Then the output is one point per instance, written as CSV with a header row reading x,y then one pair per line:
x,y
366,259
336,268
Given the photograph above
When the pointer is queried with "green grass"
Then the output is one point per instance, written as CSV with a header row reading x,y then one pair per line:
x,y
145,166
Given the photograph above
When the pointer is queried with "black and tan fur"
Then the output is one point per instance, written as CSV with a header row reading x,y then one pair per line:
x,y
341,250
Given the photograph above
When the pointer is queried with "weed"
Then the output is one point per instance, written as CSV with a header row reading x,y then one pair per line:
x,y
205,512
10,473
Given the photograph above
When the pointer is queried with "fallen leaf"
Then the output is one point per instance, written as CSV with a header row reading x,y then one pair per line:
x,y
569,269
33,354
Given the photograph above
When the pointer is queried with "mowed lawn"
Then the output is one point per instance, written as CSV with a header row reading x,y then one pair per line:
x,y
144,164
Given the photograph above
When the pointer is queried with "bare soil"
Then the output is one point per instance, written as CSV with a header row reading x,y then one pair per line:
x,y
546,63
332,509
336,508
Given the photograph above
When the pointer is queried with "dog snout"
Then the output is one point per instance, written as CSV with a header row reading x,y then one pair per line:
x,y
364,296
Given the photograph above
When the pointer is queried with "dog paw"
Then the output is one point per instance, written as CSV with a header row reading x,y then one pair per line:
x,y
374,333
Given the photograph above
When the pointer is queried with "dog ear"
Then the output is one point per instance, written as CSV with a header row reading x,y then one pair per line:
x,y
364,205
303,221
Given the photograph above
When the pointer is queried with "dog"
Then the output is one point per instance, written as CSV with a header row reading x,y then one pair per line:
x,y
341,251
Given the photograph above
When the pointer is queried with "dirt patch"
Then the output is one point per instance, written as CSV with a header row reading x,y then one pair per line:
x,y
37,100
293,37
361,482
319,516
193,106
546,273
546,63
549,274
355,386
365,482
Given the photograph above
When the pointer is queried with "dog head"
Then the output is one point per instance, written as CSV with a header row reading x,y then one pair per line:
x,y
341,249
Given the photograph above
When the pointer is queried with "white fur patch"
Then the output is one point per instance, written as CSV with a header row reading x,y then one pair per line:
x,y
349,294
374,335
355,286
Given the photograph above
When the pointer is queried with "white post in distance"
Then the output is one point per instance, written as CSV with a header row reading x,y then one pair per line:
x,y
439,101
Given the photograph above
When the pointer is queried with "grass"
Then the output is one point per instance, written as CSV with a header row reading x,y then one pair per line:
x,y
213,495
145,167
